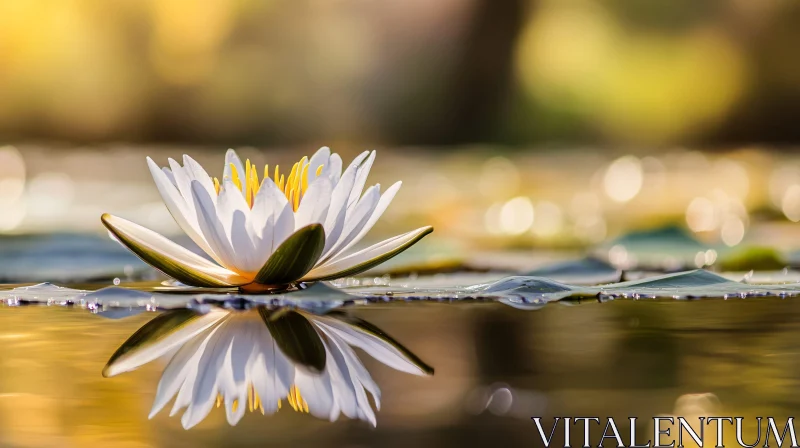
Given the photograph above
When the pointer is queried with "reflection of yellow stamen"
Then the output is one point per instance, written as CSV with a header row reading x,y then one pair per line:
x,y
216,184
219,400
235,405
295,400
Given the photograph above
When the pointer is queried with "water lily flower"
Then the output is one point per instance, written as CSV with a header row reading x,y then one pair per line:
x,y
259,358
269,233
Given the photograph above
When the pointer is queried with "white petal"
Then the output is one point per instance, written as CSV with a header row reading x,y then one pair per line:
x,y
320,157
167,172
232,158
362,256
356,219
383,203
194,171
146,354
314,205
211,226
272,219
162,246
361,180
181,211
334,169
234,214
183,182
337,212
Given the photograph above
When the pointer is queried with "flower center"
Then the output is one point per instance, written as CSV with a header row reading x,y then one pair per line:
x,y
294,187
296,401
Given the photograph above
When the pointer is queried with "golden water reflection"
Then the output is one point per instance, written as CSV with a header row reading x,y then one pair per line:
x,y
618,359
257,359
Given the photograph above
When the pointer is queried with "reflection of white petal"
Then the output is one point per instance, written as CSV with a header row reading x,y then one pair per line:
x,y
210,378
271,372
142,356
180,366
350,394
374,346
317,390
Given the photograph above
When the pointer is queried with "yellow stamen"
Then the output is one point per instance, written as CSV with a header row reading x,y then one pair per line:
x,y
303,181
294,186
290,181
235,177
256,185
235,405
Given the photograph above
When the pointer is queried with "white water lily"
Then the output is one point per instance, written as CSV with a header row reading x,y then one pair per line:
x,y
257,359
266,234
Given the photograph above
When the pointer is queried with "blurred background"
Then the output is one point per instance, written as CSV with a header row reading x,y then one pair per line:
x,y
654,134
516,124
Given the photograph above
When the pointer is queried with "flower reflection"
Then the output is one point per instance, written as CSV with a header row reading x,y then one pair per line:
x,y
258,358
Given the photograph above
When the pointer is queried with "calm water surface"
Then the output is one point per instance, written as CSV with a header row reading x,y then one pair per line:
x,y
495,368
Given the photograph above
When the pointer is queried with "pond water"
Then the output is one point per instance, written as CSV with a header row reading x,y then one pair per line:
x,y
496,366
